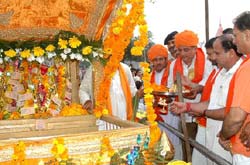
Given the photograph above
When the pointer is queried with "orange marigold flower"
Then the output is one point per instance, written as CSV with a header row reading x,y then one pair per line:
x,y
137,51
151,117
144,64
148,90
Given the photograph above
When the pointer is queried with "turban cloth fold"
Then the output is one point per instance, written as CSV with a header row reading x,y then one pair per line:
x,y
157,50
186,38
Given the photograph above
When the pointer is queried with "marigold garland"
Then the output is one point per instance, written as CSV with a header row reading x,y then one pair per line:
x,y
155,131
120,30
59,151
106,150
73,110
19,153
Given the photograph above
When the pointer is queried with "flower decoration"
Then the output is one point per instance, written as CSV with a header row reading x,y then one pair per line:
x,y
155,131
66,45
87,50
50,48
121,30
106,150
74,42
62,43
25,53
139,45
10,53
19,153
73,110
38,51
137,51
59,150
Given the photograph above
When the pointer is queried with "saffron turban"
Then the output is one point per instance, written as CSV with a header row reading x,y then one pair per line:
x,y
157,50
186,38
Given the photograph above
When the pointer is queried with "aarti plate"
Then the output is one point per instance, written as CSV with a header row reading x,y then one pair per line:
x,y
168,94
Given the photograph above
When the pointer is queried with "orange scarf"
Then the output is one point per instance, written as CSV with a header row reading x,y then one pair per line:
x,y
127,94
202,121
162,86
164,78
198,68
230,95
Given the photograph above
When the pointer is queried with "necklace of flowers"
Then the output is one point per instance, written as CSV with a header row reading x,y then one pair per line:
x,y
155,131
120,32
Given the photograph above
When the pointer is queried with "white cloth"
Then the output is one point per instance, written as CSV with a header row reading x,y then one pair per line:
x,y
86,87
220,87
212,129
118,99
219,90
207,70
240,160
158,76
117,96
197,157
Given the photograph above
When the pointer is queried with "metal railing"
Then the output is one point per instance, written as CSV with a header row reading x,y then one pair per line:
x,y
203,150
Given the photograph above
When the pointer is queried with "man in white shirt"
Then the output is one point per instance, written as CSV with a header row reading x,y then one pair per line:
x,y
117,96
193,64
214,109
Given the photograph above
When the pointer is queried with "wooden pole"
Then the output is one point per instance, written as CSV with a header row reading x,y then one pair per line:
x,y
74,77
207,20
183,121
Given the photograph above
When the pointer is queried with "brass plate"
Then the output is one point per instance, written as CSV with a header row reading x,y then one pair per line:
x,y
168,94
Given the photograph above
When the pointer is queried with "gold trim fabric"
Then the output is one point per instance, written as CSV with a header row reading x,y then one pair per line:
x,y
22,19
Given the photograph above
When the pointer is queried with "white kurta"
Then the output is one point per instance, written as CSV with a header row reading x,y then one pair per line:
x,y
218,100
118,99
207,70
197,157
116,93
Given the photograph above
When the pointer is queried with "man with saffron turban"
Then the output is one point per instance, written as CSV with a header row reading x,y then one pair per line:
x,y
213,108
158,56
192,63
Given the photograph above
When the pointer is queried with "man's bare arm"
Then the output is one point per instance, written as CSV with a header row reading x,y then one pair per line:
x,y
233,122
217,114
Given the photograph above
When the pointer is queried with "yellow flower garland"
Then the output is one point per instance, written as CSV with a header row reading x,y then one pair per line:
x,y
121,30
19,153
59,150
155,131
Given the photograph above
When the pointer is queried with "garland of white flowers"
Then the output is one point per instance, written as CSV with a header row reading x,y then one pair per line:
x,y
66,45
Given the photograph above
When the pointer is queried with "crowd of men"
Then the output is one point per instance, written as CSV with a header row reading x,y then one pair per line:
x,y
216,107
